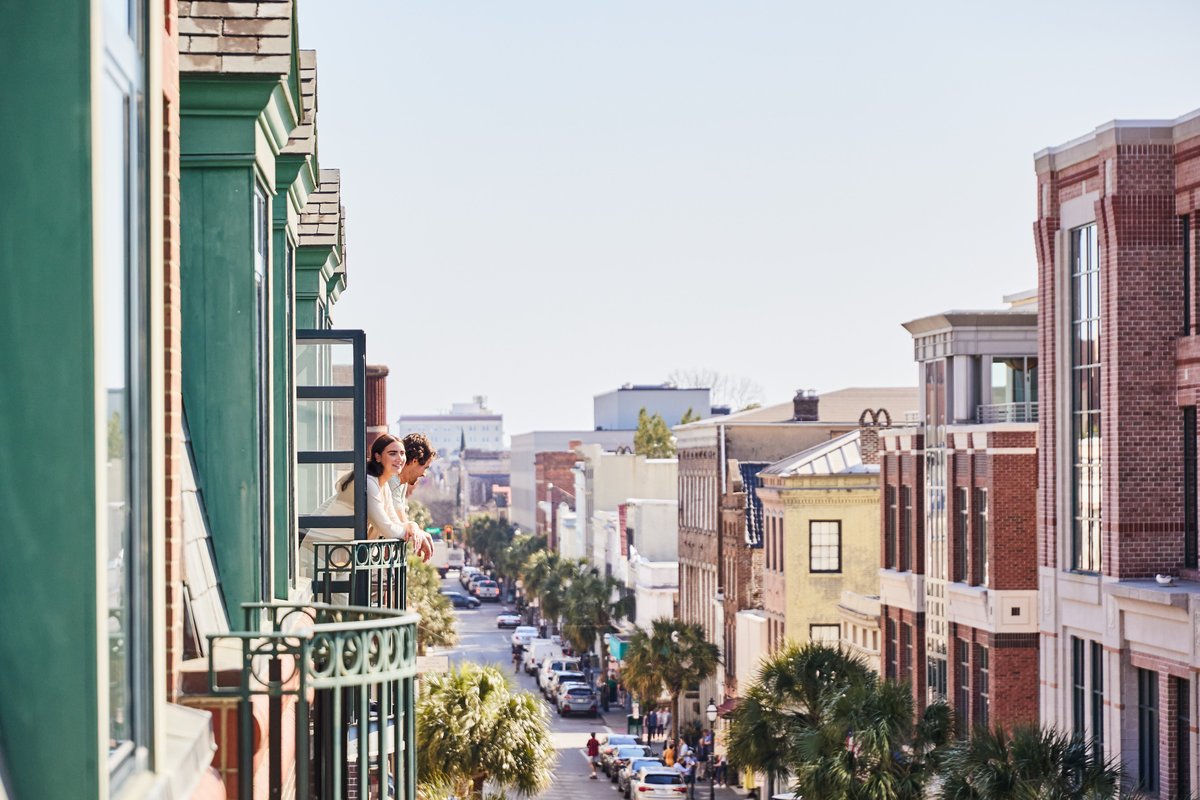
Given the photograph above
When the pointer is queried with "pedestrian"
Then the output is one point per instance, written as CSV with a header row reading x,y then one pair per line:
x,y
669,754
593,753
516,661
651,724
664,720
720,770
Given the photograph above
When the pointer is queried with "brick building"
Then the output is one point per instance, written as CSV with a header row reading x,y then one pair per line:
x,y
1117,465
554,483
958,584
720,535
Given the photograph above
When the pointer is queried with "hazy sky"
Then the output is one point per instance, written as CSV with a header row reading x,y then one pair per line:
x,y
548,199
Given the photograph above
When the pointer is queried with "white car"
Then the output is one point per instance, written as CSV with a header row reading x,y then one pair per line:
x,y
508,620
657,782
523,635
551,665
559,677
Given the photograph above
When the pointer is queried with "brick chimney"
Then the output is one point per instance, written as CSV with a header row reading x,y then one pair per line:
x,y
376,391
804,406
868,444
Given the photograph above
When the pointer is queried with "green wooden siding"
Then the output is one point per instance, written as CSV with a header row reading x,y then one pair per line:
x,y
48,573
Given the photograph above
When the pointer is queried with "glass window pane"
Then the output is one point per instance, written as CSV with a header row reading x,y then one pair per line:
x,y
325,364
324,424
317,485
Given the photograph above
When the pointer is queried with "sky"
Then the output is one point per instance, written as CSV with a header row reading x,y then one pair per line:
x,y
546,199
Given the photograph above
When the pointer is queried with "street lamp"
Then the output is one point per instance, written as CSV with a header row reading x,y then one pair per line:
x,y
711,713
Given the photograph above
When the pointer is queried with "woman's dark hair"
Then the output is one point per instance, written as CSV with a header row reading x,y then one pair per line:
x,y
373,467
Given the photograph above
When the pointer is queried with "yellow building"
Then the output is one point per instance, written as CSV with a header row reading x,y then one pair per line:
x,y
821,523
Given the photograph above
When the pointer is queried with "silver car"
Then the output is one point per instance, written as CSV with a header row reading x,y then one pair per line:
x,y
577,699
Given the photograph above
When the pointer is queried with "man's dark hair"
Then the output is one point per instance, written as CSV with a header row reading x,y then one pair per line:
x,y
417,448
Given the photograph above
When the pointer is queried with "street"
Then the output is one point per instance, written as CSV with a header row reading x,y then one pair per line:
x,y
479,640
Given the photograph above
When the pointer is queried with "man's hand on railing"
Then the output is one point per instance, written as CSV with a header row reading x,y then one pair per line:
x,y
420,542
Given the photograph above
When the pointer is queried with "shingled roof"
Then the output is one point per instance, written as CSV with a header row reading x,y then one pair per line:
x,y
304,138
321,219
240,36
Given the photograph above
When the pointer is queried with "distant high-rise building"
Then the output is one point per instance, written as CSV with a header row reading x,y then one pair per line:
x,y
472,424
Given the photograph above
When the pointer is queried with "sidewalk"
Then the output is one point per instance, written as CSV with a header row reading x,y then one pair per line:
x,y
701,790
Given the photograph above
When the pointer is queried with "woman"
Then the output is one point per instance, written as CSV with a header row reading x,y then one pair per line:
x,y
384,521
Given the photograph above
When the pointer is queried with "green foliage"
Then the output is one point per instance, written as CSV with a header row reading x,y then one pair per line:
x,y
473,729
438,626
488,537
419,513
670,656
546,577
689,416
591,607
511,560
1028,763
653,438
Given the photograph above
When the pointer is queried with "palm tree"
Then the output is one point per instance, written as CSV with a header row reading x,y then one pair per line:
x,y
791,693
592,605
472,730
1028,763
438,627
546,576
672,655
512,558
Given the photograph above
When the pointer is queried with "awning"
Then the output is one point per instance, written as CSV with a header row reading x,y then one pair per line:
x,y
726,709
618,647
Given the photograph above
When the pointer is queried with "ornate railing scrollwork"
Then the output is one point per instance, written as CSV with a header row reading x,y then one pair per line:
x,y
365,572
349,671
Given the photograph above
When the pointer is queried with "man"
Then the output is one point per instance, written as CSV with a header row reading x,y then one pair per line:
x,y
593,753
651,724
664,721
418,455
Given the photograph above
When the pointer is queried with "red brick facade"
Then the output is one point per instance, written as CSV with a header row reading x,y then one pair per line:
x,y
553,468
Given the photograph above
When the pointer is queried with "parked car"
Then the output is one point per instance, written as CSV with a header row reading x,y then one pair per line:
x,y
487,590
577,699
522,636
613,741
625,776
460,600
622,756
551,665
464,575
474,579
657,782
508,620
560,676
563,686
537,651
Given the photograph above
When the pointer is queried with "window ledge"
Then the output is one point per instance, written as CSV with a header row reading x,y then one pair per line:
x,y
1178,595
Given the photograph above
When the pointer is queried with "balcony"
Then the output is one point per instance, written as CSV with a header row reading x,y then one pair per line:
x,y
374,571
328,689
1006,412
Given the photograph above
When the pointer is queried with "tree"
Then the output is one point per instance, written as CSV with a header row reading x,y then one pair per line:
x,y
419,513
727,390
438,627
689,416
672,655
546,576
787,699
473,729
593,604
488,536
653,438
1028,763
511,559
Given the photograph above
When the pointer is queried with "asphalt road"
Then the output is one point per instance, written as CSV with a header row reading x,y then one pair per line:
x,y
479,640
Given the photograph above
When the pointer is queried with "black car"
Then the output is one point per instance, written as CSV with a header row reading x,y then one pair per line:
x,y
460,600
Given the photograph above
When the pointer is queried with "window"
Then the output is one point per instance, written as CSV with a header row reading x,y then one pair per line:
x,y
1098,698
981,535
963,694
827,633
262,332
1078,689
906,650
1185,229
984,687
1085,399
889,527
960,534
1190,528
1183,736
1147,716
893,646
122,369
903,557
824,546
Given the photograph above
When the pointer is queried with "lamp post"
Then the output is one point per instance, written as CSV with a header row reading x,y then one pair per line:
x,y
711,713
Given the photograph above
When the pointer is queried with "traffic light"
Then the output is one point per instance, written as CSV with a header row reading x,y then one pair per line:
x,y
448,532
